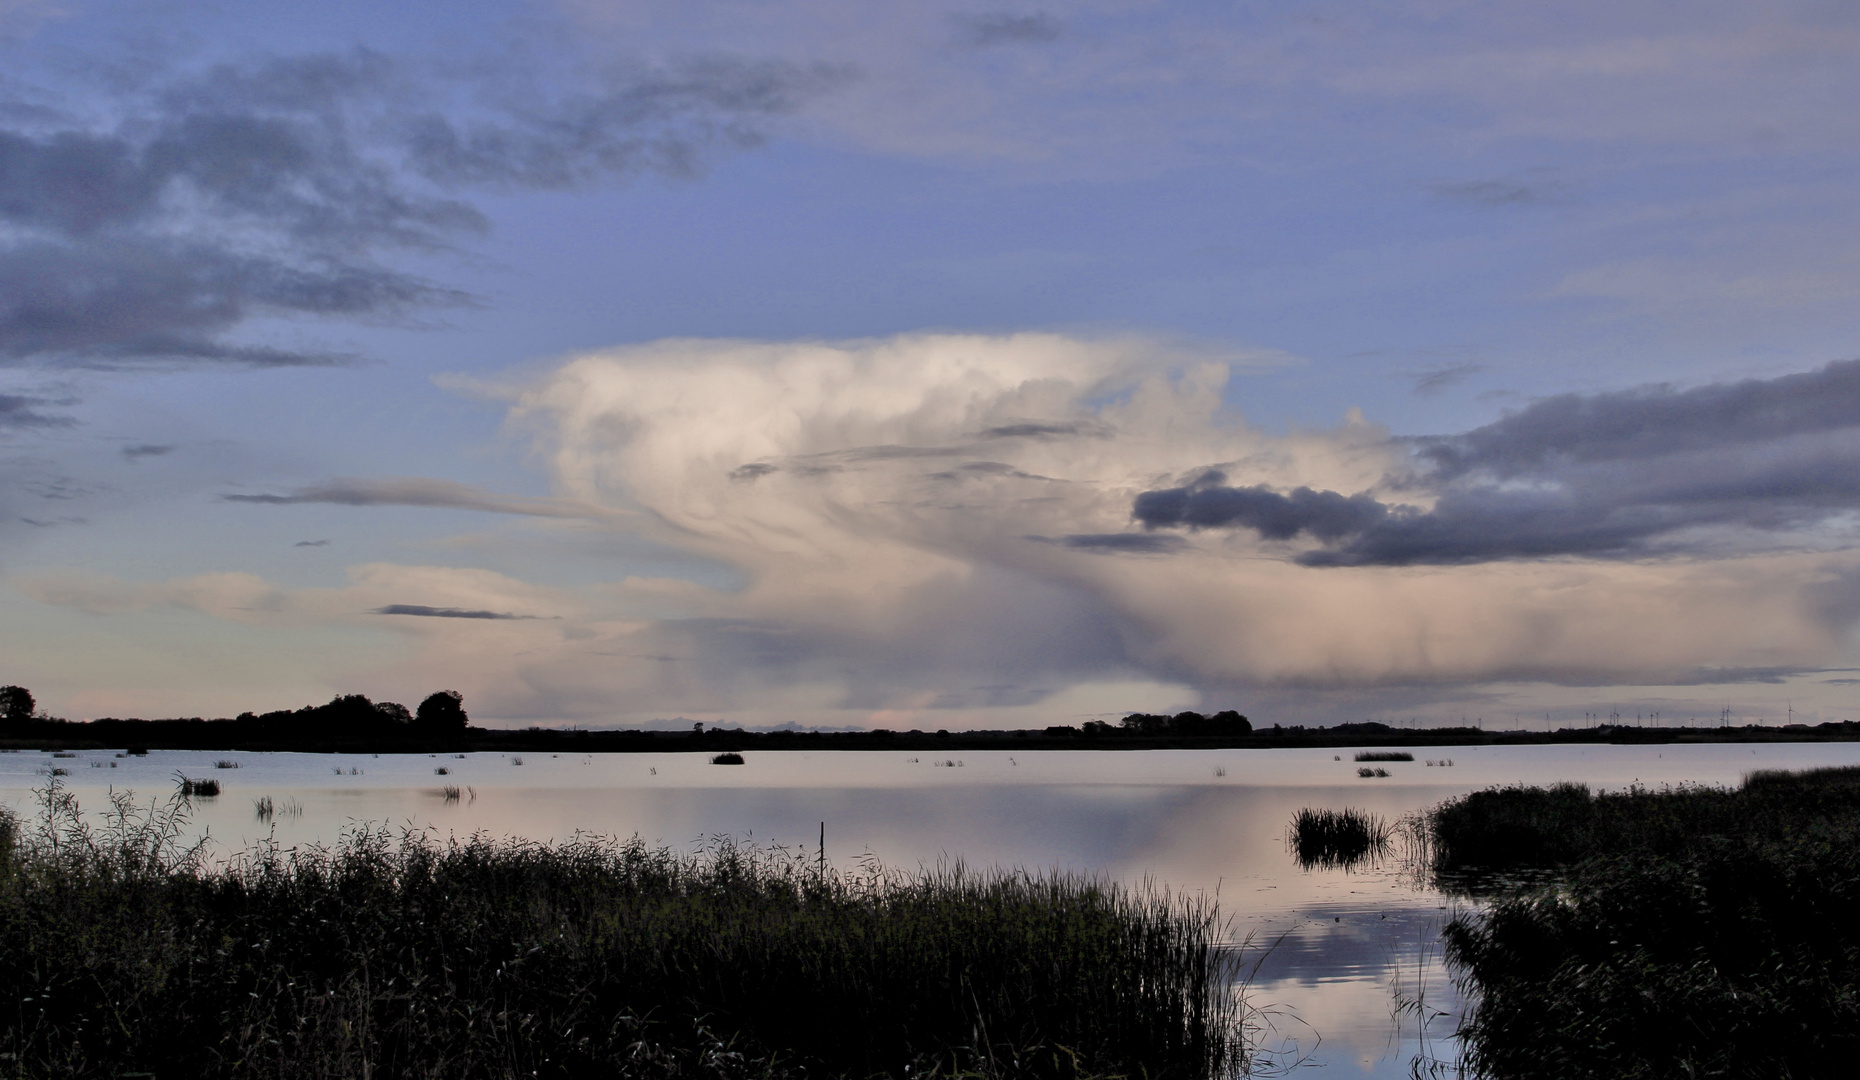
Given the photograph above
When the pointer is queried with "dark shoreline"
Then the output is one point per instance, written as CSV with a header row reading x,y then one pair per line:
x,y
240,735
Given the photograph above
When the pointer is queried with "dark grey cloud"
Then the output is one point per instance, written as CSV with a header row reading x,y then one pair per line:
x,y
285,187
1647,471
414,491
1002,28
142,450
1120,543
19,411
445,612
311,543
1210,503
1433,382
753,471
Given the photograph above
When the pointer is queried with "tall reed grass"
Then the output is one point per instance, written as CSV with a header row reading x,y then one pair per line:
x,y
187,787
1337,838
1502,828
399,955
1698,931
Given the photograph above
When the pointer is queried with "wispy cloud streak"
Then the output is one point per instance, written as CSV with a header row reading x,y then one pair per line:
x,y
418,491
283,187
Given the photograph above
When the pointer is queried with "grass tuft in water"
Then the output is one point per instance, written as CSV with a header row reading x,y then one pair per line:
x,y
187,788
1337,838
401,955
1384,755
727,759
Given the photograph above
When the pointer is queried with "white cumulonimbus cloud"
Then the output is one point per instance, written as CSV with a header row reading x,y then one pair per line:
x,y
946,520
942,530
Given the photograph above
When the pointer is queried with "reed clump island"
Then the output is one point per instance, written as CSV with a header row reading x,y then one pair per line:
x,y
1696,931
1337,839
124,950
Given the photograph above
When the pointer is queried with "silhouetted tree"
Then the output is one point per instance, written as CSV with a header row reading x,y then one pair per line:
x,y
16,704
442,712
1226,723
1229,722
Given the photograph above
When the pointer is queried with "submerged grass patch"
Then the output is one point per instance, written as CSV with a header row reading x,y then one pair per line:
x,y
122,951
1384,755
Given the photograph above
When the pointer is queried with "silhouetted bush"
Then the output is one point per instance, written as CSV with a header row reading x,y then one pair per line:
x,y
442,713
16,704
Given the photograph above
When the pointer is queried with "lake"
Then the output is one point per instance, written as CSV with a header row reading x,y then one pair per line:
x,y
1330,953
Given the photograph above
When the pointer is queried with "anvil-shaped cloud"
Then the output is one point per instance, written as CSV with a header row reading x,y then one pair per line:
x,y
939,530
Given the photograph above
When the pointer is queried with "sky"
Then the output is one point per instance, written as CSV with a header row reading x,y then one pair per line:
x,y
940,365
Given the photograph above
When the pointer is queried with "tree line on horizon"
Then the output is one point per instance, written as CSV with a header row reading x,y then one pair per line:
x,y
441,713
1227,722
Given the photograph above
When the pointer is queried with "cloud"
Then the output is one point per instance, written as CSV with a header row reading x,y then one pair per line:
x,y
1209,503
142,450
1124,543
200,201
1000,28
234,595
1620,475
880,572
885,568
417,491
1433,382
446,612
18,411
311,543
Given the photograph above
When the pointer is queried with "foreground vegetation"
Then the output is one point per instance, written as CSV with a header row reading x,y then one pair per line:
x,y
1694,932
399,956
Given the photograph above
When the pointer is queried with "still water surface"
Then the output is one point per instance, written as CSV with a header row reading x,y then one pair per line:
x,y
1332,955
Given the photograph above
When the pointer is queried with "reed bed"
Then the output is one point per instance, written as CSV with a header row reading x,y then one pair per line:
x,y
1690,932
730,758
1384,755
399,955
187,787
1502,828
1337,838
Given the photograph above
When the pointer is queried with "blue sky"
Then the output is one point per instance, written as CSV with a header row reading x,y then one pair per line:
x,y
941,365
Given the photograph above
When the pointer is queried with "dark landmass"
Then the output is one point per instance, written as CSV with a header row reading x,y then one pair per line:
x,y
353,724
